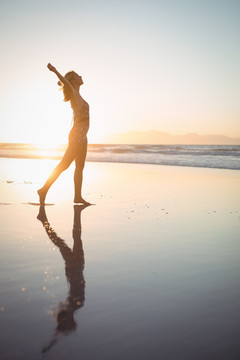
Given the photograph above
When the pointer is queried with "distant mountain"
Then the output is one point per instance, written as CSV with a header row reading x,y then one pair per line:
x,y
158,137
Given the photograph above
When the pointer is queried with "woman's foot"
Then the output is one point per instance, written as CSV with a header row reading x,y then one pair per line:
x,y
80,200
42,195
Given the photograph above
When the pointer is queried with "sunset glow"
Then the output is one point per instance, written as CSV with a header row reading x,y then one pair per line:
x,y
172,67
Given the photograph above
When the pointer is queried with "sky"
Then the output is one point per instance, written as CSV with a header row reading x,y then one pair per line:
x,y
171,66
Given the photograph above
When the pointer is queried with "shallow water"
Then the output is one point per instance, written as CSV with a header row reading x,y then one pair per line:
x,y
161,265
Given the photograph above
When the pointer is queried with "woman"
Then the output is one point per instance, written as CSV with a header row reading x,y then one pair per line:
x,y
77,140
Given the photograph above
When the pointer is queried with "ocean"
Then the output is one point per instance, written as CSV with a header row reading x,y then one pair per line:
x,y
208,156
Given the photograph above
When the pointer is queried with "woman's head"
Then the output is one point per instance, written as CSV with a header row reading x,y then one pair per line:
x,y
75,80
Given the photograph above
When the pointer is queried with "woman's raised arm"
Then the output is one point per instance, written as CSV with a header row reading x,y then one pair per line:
x,y
61,78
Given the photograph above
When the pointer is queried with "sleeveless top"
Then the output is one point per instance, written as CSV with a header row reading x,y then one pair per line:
x,y
78,133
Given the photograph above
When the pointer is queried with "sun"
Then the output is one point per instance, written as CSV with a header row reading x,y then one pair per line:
x,y
48,150
45,144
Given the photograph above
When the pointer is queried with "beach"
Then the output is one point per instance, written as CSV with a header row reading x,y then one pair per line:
x,y
159,273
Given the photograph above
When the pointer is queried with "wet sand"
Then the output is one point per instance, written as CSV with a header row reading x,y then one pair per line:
x,y
155,274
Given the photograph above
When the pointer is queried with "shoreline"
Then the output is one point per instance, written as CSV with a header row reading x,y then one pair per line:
x,y
212,156
57,158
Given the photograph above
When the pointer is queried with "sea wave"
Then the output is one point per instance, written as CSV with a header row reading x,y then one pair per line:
x,y
210,156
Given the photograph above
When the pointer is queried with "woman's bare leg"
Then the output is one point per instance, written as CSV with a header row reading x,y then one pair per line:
x,y
66,161
78,174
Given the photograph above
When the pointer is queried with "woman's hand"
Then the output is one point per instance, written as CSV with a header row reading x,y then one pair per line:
x,y
52,68
63,80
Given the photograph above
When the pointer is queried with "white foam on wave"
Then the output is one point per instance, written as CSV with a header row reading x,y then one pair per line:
x,y
209,156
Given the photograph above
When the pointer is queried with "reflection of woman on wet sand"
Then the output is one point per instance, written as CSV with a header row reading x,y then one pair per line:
x,y
77,140
74,265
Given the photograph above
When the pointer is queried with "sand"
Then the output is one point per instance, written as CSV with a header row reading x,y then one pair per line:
x,y
160,270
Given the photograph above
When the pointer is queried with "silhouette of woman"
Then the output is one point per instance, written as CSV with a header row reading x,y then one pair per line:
x,y
74,266
77,140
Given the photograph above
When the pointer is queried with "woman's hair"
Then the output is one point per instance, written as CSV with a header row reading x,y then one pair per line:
x,y
68,76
